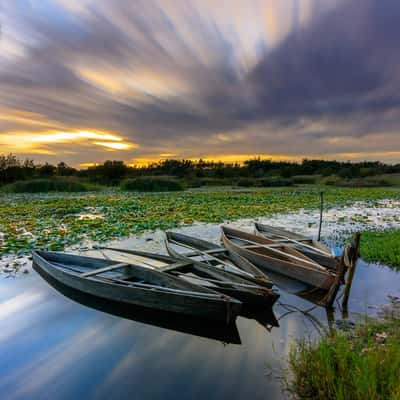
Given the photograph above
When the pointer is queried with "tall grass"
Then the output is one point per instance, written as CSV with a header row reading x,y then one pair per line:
x,y
44,185
382,246
358,366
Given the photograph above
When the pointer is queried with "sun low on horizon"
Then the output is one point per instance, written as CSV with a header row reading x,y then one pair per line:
x,y
87,81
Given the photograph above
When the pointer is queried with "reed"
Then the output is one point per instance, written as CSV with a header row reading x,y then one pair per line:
x,y
363,364
382,247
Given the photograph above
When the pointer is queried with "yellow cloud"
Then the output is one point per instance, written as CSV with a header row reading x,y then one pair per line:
x,y
167,155
116,146
26,118
39,143
136,84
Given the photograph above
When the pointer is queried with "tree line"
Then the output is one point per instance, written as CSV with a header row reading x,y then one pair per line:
x,y
111,172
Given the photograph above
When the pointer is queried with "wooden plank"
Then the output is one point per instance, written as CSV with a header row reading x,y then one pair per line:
x,y
209,252
231,268
104,269
282,253
175,266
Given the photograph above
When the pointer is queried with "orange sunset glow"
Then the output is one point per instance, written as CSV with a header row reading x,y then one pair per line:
x,y
198,79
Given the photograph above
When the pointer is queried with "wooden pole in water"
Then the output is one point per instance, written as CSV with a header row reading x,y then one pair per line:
x,y
355,248
331,295
320,215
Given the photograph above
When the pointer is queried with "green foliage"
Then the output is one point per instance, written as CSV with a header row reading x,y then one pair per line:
x,y
276,182
304,179
109,173
54,221
381,246
348,366
48,185
246,182
215,182
151,184
112,172
370,181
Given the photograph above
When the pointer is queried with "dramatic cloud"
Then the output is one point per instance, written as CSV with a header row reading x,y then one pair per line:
x,y
86,80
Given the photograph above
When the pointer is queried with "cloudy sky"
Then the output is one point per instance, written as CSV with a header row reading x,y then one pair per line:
x,y
89,80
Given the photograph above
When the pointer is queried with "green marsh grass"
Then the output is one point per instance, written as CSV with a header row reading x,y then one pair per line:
x,y
381,246
364,364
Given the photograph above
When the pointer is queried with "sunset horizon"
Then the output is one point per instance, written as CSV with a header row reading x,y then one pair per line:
x,y
85,81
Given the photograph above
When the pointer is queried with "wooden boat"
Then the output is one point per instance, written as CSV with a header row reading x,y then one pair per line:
x,y
218,256
277,258
313,249
233,285
134,284
182,323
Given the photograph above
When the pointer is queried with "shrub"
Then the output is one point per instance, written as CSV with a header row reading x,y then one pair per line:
x,y
48,185
151,184
276,182
304,179
358,182
246,182
193,183
216,182
331,180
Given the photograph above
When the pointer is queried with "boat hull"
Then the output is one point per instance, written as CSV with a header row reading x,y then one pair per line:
x,y
313,277
215,307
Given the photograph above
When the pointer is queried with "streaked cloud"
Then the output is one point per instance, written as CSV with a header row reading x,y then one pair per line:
x,y
49,142
198,79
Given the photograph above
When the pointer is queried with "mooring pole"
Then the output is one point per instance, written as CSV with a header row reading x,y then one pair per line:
x,y
333,290
355,249
321,209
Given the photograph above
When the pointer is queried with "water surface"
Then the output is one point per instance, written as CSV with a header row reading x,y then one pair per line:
x,y
52,346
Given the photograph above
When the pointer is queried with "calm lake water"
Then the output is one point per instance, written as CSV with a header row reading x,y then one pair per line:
x,y
53,347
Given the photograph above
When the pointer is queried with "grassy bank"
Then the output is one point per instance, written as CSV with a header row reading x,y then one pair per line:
x,y
56,221
360,365
44,185
381,246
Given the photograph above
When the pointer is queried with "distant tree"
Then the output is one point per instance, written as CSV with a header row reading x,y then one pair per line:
x,y
109,173
47,170
64,170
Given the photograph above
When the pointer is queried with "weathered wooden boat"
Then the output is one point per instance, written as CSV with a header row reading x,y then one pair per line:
x,y
277,258
215,255
313,249
233,285
134,284
182,323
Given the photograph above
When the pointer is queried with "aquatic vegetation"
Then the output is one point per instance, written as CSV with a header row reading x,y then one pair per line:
x,y
360,364
382,246
57,221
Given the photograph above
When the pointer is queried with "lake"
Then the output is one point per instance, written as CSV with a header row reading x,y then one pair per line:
x,y
52,346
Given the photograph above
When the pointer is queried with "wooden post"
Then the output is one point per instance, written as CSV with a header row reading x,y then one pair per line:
x,y
355,248
331,295
320,215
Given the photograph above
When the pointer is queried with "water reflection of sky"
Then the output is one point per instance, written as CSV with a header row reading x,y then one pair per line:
x,y
52,347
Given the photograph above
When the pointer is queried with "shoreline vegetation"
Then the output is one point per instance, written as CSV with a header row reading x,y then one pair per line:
x,y
382,247
17,176
362,363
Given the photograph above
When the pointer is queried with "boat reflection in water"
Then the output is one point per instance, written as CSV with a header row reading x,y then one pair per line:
x,y
202,327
